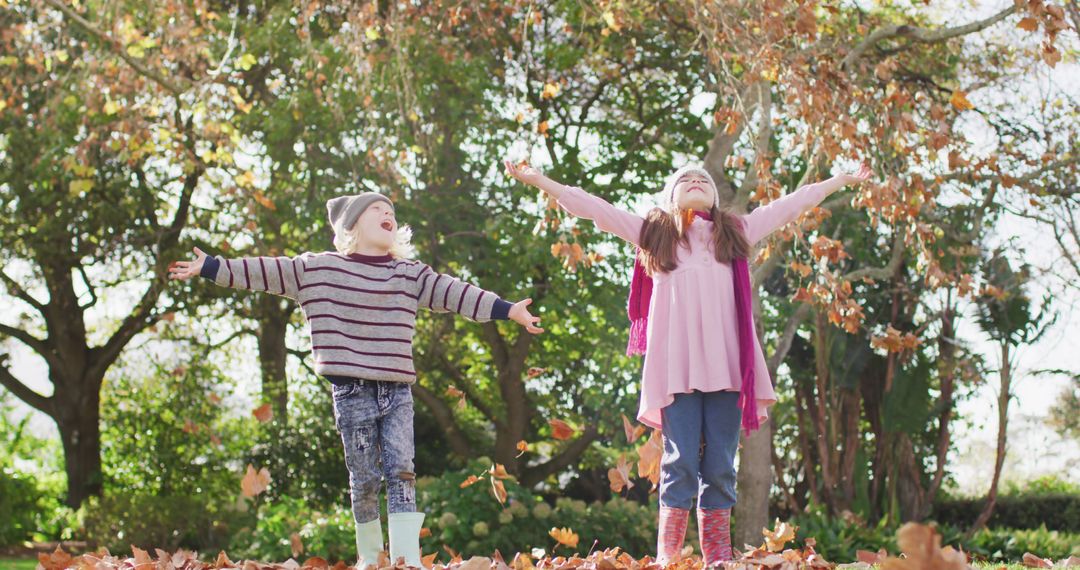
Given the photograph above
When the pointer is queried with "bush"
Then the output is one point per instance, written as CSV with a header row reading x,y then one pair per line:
x,y
838,538
1059,512
193,521
328,534
1009,545
19,507
471,521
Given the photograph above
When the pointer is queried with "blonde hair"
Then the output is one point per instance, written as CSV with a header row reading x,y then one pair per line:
x,y
347,241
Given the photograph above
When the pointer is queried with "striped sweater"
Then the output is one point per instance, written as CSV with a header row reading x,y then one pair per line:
x,y
360,310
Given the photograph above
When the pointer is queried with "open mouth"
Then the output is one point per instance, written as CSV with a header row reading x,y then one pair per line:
x,y
387,225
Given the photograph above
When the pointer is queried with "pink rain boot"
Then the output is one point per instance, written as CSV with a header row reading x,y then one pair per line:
x,y
714,526
671,532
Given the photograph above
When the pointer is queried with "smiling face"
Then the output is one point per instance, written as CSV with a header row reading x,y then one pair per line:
x,y
694,191
376,228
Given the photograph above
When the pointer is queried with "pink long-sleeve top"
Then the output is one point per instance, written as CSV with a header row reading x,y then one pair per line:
x,y
692,339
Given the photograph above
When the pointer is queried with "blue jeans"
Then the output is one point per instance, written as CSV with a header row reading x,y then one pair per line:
x,y
375,420
687,469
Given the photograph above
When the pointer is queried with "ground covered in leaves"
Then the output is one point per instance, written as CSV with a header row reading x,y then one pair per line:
x,y
920,545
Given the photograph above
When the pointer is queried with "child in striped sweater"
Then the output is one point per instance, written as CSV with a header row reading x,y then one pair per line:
x,y
360,304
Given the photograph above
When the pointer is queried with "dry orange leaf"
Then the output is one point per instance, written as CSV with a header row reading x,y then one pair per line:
x,y
522,447
781,534
429,560
561,430
1028,24
960,101
296,544
499,489
619,476
469,481
649,458
254,482
921,545
565,537
263,413
632,432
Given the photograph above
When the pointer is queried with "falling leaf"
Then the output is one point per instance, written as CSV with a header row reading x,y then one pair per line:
x,y
561,430
296,544
649,458
632,432
263,413
425,532
921,546
777,538
469,481
254,482
264,201
534,371
565,537
542,128
499,489
498,471
619,476
429,560
522,447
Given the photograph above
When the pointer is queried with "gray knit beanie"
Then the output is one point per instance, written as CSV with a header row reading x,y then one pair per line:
x,y
345,210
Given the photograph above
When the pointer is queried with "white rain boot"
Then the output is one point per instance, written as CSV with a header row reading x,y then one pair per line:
x,y
369,543
405,537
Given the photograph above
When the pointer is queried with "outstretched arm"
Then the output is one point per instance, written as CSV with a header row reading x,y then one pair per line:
x,y
443,293
582,204
277,275
778,213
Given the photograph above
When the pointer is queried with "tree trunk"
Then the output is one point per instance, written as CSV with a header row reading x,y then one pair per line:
x,y
273,316
754,480
80,432
1003,425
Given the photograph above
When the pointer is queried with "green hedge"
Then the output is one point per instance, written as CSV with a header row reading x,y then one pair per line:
x,y
1059,512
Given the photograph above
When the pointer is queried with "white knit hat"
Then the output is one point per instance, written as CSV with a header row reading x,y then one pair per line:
x,y
667,196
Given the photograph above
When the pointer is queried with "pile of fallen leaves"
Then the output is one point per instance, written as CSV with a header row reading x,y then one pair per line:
x,y
921,546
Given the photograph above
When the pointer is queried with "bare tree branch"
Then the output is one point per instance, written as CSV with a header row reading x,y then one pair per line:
x,y
922,35
22,391
21,293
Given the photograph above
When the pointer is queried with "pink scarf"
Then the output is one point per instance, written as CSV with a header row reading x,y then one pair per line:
x,y
637,308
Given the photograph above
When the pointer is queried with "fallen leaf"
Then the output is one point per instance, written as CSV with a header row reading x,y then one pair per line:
x,y
1032,561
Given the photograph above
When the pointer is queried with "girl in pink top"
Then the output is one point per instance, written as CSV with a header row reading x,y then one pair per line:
x,y
690,307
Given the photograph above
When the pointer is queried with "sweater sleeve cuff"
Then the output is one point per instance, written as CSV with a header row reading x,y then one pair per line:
x,y
500,310
210,268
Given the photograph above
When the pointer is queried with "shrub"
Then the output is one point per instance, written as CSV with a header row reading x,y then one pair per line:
x,y
1021,511
329,534
19,507
193,521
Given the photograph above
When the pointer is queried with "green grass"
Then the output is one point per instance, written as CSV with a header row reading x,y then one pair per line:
x,y
25,563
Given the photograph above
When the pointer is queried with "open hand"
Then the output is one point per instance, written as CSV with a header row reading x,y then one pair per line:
x,y
864,173
519,313
185,270
524,172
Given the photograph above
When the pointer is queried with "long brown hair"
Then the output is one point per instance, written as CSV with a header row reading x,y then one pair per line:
x,y
663,232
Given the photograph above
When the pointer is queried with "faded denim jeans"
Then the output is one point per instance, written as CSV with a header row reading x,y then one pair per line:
x,y
375,420
690,470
